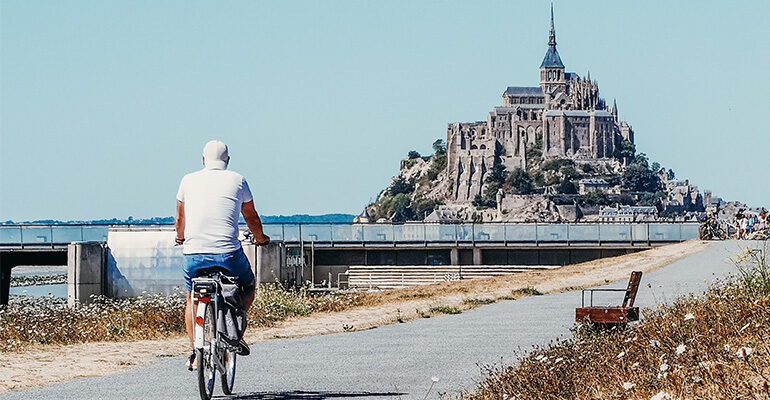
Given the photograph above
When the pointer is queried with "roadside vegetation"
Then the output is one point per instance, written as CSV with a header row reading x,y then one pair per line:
x,y
34,320
712,346
29,321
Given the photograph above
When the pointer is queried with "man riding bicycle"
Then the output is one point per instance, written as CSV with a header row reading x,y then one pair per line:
x,y
209,203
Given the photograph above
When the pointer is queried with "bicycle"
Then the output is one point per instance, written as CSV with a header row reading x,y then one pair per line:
x,y
213,353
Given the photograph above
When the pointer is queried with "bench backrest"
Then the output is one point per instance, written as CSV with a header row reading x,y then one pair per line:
x,y
633,287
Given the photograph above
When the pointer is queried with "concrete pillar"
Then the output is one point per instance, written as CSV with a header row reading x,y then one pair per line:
x,y
86,271
268,262
476,256
454,257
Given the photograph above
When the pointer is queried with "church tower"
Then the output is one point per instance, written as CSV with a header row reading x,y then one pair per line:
x,y
552,79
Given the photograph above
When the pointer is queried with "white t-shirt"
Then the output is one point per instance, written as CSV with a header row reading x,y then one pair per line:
x,y
212,206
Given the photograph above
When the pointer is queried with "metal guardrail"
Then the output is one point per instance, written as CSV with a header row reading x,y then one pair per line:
x,y
42,236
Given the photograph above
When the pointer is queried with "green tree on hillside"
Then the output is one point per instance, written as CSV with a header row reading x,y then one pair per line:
x,y
399,186
439,147
638,177
626,149
413,154
521,181
567,187
597,198
400,208
556,164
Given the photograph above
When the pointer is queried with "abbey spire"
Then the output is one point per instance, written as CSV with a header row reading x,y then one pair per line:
x,y
552,59
552,77
552,34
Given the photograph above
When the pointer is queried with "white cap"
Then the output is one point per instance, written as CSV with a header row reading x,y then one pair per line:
x,y
215,155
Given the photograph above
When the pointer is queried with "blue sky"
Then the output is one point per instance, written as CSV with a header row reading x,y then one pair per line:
x,y
104,106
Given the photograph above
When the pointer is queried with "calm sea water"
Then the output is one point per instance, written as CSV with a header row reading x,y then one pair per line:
x,y
59,290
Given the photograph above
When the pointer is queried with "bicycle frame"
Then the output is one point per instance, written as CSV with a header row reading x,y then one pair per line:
x,y
200,301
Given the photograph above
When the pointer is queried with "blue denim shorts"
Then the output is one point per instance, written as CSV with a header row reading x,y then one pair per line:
x,y
234,262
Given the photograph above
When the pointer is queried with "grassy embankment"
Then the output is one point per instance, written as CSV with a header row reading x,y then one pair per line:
x,y
712,346
30,321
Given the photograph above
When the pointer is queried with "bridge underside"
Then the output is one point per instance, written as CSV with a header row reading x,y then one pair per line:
x,y
466,256
328,263
13,258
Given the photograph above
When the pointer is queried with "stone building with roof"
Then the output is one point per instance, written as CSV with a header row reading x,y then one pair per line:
x,y
564,116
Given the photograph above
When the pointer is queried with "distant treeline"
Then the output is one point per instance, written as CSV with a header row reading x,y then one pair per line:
x,y
269,219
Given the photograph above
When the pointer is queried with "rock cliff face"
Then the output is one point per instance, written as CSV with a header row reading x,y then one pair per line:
x,y
423,186
548,190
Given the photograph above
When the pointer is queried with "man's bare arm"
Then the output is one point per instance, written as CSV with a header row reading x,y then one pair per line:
x,y
179,222
255,224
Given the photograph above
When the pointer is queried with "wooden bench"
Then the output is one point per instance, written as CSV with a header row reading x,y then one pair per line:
x,y
608,315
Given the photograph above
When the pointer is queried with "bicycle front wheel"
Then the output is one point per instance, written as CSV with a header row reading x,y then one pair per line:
x,y
205,357
228,377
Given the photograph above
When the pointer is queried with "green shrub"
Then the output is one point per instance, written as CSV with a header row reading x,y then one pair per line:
x,y
596,198
444,310
399,206
439,147
587,168
400,185
567,187
527,291
569,172
478,301
556,164
754,269
521,181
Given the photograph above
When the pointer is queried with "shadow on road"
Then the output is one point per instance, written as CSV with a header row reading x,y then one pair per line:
x,y
311,395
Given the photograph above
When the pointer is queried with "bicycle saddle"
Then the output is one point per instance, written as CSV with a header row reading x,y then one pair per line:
x,y
211,271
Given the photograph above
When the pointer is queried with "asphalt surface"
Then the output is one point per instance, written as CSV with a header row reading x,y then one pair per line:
x,y
394,361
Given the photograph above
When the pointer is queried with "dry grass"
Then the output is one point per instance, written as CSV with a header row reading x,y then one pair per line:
x,y
29,321
713,346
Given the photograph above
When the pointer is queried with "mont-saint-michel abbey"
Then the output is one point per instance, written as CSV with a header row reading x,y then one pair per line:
x,y
564,115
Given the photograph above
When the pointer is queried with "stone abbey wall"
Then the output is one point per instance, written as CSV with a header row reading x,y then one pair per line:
x,y
562,117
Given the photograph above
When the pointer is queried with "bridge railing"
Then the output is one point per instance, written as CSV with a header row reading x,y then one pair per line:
x,y
50,235
492,233
387,234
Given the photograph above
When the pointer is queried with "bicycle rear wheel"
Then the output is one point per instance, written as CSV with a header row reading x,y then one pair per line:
x,y
228,377
205,357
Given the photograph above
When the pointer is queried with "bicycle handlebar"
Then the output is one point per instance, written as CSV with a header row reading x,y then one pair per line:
x,y
248,237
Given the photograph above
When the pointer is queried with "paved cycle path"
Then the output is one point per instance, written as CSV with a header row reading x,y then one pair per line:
x,y
394,361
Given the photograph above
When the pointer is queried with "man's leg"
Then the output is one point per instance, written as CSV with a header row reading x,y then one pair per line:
x,y
188,321
248,297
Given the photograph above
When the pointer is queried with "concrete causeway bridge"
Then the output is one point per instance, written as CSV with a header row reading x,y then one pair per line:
x,y
125,260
